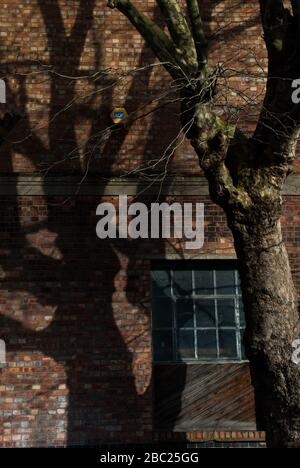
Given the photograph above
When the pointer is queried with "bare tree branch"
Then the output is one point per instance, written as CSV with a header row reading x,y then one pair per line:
x,y
275,20
180,33
198,31
154,36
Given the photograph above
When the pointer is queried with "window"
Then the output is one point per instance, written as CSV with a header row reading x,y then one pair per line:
x,y
197,311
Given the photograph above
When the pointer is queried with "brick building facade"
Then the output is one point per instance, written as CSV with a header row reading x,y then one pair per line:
x,y
75,311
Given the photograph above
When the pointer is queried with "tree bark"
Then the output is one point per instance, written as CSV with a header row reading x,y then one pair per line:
x,y
272,323
246,177
249,190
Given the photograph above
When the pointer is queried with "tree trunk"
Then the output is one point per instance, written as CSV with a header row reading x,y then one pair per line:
x,y
246,177
272,323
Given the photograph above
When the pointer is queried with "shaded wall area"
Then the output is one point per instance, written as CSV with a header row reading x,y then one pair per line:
x,y
74,341
75,314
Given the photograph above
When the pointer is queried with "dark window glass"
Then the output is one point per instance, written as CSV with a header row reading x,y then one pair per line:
x,y
185,313
186,344
207,343
182,282
225,282
226,312
161,283
204,282
163,316
242,313
197,311
163,345
205,312
227,343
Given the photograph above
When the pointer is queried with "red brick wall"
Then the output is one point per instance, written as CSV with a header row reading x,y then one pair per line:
x,y
74,310
44,43
75,314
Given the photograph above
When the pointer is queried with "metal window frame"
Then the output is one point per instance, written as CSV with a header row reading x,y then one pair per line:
x,y
215,297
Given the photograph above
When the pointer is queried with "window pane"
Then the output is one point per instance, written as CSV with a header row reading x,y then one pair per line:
x,y
227,343
163,345
194,319
161,283
207,344
225,280
186,344
205,312
226,312
185,313
242,313
204,282
162,312
182,285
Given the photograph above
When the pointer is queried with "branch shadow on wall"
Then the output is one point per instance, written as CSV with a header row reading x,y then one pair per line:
x,y
82,283
79,282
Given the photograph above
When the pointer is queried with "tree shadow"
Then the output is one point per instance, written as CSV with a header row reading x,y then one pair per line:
x,y
228,31
83,285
